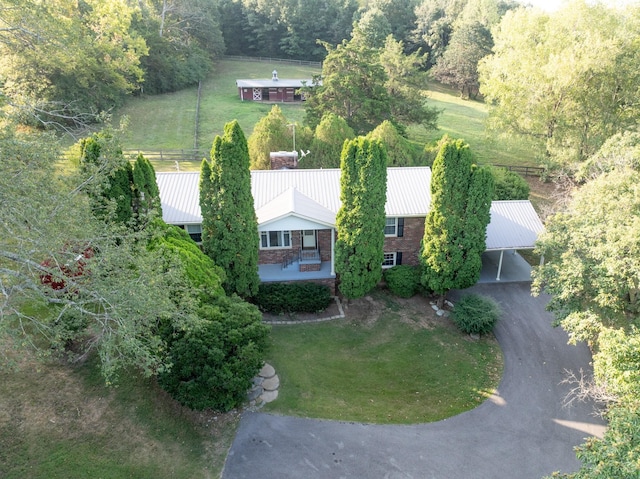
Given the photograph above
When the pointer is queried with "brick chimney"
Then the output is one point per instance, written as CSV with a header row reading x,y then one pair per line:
x,y
284,160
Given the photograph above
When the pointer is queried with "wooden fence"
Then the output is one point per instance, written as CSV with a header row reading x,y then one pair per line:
x,y
273,60
187,154
524,170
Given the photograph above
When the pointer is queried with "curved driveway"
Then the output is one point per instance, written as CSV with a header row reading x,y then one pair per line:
x,y
523,431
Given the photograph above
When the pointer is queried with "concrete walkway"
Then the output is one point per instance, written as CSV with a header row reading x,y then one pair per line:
x,y
523,431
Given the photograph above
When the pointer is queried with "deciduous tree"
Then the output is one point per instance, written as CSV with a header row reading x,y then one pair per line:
x,y
567,79
46,224
271,133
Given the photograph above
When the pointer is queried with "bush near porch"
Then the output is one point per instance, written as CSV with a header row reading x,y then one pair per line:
x,y
280,298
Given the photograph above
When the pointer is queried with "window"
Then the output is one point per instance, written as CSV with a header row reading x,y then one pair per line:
x,y
391,227
195,231
394,227
275,239
391,259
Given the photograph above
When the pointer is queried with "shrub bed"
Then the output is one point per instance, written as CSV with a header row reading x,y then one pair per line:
x,y
279,298
475,314
403,280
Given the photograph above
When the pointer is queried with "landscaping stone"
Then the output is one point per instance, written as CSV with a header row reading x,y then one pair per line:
x,y
435,307
257,381
267,371
254,393
271,384
269,396
475,336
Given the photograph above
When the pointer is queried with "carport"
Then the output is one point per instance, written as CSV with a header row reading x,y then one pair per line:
x,y
514,225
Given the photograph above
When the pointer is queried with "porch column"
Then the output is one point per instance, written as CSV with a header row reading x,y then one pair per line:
x,y
333,242
500,265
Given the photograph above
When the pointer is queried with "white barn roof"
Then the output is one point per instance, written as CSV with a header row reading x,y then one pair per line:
x,y
514,225
280,83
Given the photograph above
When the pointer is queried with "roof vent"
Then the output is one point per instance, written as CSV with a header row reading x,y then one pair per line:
x,y
275,75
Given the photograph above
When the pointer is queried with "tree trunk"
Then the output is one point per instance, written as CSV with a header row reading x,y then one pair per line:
x,y
440,300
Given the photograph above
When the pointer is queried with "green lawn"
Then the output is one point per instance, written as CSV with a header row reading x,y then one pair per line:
x,y
466,119
61,422
168,121
399,365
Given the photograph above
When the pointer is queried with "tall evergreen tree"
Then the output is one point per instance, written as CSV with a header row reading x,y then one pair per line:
x,y
361,218
114,197
455,228
145,187
229,224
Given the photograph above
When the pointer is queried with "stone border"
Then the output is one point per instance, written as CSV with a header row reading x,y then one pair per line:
x,y
315,320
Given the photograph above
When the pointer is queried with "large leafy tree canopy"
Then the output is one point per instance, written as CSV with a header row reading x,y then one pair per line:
x,y
65,63
285,28
592,256
62,63
568,80
361,218
105,274
366,85
455,227
229,224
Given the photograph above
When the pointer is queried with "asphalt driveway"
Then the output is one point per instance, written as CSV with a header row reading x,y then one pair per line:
x,y
523,431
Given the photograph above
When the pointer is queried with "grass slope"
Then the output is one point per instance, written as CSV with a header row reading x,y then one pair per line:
x,y
394,363
168,121
62,422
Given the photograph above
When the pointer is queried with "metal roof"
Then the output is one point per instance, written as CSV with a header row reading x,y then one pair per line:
x,y
514,225
280,83
315,195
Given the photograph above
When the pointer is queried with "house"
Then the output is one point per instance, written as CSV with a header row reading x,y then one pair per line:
x,y
296,211
273,90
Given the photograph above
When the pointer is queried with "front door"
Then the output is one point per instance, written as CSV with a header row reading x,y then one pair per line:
x,y
309,239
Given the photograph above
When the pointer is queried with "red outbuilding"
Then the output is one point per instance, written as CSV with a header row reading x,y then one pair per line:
x,y
273,90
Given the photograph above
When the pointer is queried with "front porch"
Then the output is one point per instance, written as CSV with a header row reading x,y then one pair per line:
x,y
276,272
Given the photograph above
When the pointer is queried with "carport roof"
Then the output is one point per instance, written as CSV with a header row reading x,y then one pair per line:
x,y
513,225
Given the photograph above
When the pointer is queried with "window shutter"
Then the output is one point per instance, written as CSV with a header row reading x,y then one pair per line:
x,y
400,227
398,258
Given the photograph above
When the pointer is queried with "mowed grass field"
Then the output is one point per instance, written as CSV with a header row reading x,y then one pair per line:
x,y
168,121
391,361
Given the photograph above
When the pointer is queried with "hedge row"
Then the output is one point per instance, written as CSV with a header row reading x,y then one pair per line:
x,y
279,298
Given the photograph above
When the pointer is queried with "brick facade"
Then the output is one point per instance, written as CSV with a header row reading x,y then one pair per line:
x,y
277,255
409,243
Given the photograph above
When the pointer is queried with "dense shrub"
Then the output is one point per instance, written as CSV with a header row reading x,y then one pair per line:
x,y
216,358
281,298
403,280
475,314
509,185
